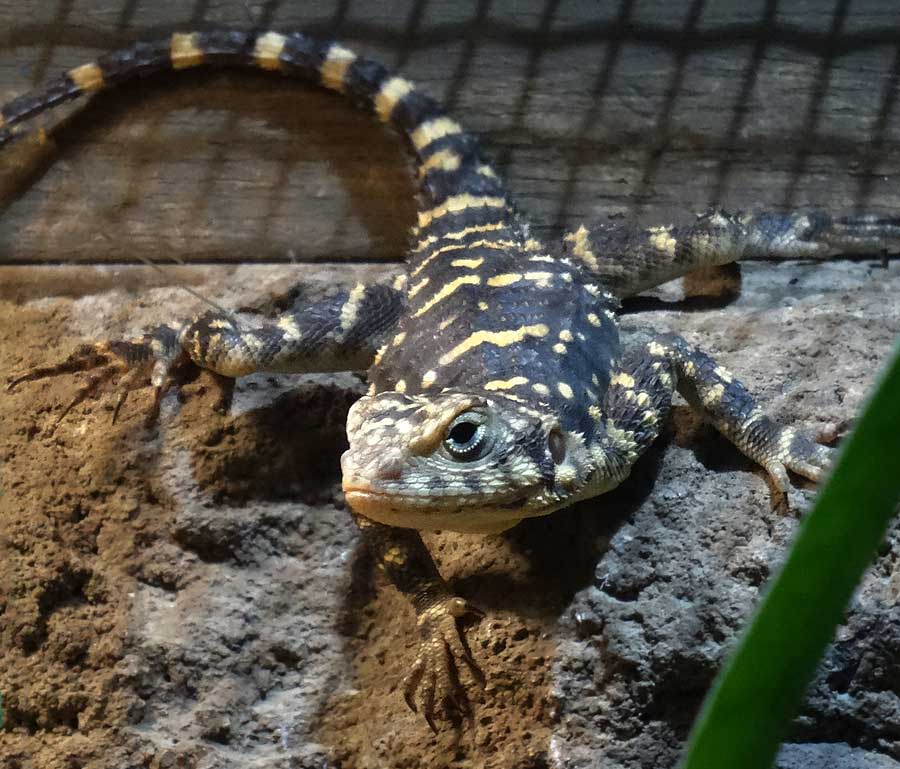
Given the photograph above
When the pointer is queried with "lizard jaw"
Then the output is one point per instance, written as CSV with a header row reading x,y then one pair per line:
x,y
382,507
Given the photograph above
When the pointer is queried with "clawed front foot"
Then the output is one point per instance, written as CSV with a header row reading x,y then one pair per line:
x,y
148,361
434,680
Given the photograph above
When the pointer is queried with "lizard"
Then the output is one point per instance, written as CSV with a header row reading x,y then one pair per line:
x,y
499,388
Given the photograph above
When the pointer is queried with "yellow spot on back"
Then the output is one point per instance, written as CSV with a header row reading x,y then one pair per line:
x,y
429,378
400,387
595,412
655,348
447,290
458,203
541,278
541,258
88,77
516,398
593,319
447,322
267,51
424,243
622,379
485,170
432,130
335,66
184,51
540,389
498,244
496,338
417,287
460,234
435,254
565,335
559,348
289,326
470,263
506,279
505,384
565,391
581,246
443,160
483,306
398,339
392,91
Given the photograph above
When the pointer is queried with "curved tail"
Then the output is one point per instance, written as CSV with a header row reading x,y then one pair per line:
x,y
453,175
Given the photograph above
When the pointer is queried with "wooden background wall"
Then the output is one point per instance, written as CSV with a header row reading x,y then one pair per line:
x,y
648,108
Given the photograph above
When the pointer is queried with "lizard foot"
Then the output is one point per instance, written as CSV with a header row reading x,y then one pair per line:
x,y
801,452
434,678
132,365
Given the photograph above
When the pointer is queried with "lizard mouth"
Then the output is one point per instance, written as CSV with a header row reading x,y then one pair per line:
x,y
363,500
426,513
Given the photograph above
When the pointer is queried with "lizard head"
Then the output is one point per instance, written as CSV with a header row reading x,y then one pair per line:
x,y
457,461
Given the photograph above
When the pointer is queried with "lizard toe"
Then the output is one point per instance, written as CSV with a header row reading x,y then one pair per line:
x,y
804,456
798,451
433,685
116,366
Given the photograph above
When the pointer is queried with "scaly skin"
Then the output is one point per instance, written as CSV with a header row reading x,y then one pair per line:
x,y
498,388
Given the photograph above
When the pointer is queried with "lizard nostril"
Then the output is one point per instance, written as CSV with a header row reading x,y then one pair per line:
x,y
389,469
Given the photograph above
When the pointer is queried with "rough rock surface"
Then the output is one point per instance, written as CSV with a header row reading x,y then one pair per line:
x,y
192,594
698,537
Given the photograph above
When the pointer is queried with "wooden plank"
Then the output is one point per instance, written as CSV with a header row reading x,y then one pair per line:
x,y
592,110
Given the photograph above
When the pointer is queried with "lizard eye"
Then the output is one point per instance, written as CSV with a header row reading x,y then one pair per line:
x,y
467,436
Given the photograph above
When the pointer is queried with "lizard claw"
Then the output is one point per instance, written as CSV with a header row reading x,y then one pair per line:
x,y
148,360
434,678
800,452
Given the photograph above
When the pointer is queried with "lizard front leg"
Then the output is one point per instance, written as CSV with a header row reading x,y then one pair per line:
x,y
639,397
434,678
340,333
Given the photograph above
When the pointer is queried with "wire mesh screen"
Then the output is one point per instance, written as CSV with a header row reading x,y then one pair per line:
x,y
593,110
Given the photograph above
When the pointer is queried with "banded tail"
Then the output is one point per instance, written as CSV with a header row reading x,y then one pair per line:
x,y
453,175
